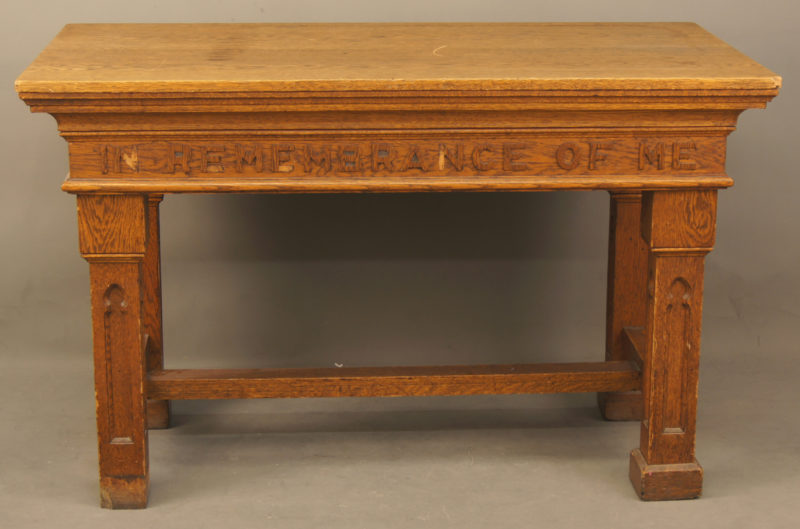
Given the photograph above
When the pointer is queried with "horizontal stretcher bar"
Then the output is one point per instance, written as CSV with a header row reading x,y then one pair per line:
x,y
178,384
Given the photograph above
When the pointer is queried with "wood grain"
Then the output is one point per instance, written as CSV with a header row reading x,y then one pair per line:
x,y
686,220
207,58
678,481
634,344
376,156
276,185
112,224
376,163
392,381
394,117
158,411
626,294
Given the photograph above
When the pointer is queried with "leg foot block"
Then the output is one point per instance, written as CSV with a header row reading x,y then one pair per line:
x,y
626,406
158,414
679,481
123,492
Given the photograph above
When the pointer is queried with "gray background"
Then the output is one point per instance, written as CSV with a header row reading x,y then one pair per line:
x,y
390,279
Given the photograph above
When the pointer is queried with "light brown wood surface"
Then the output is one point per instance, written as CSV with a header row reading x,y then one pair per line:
x,y
393,381
206,58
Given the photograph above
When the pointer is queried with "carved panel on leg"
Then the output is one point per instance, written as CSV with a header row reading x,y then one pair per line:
x,y
672,358
113,234
626,295
158,411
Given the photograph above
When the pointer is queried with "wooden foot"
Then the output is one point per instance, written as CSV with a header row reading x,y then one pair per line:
x,y
621,406
676,481
158,414
626,296
123,492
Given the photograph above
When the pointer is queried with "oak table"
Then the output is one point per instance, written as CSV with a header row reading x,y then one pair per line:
x,y
641,110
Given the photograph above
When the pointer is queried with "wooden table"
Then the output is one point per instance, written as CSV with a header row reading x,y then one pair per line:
x,y
640,110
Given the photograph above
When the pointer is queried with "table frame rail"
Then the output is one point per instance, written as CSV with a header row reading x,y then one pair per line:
x,y
174,384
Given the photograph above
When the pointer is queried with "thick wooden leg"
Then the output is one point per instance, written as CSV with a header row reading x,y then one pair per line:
x,y
113,234
679,228
626,296
158,411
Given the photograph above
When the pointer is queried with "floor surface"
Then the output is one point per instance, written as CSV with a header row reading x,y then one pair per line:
x,y
466,462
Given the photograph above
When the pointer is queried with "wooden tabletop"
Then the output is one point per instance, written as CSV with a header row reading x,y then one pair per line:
x,y
247,58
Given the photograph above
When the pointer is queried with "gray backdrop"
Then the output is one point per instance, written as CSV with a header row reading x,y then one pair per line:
x,y
394,279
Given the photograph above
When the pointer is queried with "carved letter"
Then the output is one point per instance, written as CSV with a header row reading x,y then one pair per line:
x,y
381,153
445,156
180,154
249,155
114,157
211,159
348,158
320,159
282,158
680,158
510,157
654,156
477,162
594,153
413,159
568,155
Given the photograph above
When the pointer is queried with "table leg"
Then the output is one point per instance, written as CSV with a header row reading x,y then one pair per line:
x,y
113,235
158,411
679,229
626,295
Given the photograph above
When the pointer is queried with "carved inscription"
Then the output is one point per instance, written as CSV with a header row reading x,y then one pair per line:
x,y
533,156
655,155
571,155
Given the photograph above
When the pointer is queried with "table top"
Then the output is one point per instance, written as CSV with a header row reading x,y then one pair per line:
x,y
247,58
162,108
